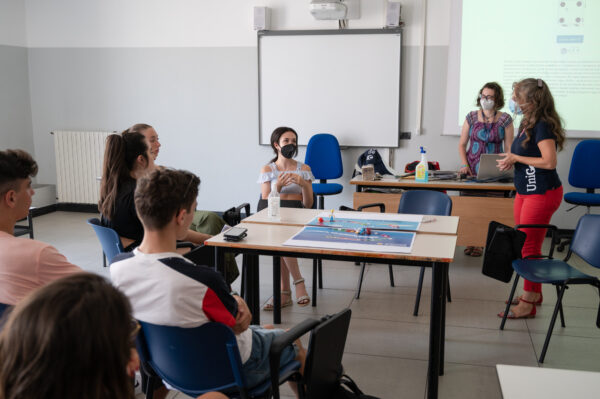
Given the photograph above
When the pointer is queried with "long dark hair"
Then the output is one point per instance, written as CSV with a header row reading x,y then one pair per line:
x,y
69,339
120,156
276,135
537,93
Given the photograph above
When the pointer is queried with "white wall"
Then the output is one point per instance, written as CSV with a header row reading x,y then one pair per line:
x,y
12,23
15,111
200,23
189,68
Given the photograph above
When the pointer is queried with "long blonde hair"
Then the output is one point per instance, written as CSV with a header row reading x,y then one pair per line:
x,y
536,93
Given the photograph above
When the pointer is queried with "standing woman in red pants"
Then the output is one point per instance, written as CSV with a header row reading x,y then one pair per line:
x,y
539,190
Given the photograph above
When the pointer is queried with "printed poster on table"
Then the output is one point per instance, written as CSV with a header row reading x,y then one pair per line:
x,y
358,220
349,239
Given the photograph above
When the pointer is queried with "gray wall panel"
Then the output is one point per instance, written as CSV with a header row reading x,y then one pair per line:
x,y
15,111
203,103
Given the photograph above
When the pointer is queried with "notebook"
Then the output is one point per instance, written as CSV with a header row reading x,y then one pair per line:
x,y
488,168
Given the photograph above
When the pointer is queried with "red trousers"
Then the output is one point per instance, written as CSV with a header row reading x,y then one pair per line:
x,y
535,209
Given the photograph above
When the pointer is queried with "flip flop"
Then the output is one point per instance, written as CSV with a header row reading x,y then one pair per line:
x,y
468,251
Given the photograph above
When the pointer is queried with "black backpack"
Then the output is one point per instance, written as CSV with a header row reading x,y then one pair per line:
x,y
347,389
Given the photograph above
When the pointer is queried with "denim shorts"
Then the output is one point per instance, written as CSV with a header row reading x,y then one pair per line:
x,y
256,369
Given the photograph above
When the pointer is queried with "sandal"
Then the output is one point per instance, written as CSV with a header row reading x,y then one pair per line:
x,y
474,251
515,301
284,304
304,300
511,314
468,251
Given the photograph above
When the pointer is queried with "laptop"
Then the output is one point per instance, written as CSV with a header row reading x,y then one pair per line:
x,y
488,169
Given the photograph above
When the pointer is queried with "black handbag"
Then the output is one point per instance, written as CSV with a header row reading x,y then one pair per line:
x,y
347,389
503,245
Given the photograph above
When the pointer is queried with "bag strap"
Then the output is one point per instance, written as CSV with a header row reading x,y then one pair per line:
x,y
350,384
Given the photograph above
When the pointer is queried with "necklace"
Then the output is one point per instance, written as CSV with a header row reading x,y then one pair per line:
x,y
488,119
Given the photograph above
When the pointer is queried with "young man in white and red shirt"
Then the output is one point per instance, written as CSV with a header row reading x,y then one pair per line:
x,y
24,264
167,289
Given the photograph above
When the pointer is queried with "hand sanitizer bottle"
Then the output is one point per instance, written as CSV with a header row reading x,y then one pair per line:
x,y
422,170
274,202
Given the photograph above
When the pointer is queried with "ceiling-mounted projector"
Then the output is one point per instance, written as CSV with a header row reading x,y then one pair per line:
x,y
328,9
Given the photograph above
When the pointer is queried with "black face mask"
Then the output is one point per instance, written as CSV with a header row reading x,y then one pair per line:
x,y
288,150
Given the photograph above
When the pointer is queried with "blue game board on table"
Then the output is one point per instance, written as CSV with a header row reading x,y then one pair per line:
x,y
354,224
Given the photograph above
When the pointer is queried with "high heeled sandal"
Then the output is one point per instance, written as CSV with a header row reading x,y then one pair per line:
x,y
269,305
515,301
304,300
511,314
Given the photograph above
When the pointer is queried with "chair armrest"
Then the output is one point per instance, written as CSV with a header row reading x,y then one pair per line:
x,y
346,208
186,244
282,341
246,207
553,230
379,204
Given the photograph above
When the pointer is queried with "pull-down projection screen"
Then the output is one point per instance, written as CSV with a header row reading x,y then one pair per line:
x,y
346,83
506,41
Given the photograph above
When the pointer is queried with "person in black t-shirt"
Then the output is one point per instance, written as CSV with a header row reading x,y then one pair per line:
x,y
126,158
539,190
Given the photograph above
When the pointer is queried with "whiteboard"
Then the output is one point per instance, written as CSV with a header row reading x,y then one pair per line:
x,y
344,82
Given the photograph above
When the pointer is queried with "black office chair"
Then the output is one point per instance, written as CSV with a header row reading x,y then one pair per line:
x,y
4,310
425,202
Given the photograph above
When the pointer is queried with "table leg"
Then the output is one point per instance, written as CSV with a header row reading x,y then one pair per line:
x,y
314,282
435,330
252,287
445,287
276,290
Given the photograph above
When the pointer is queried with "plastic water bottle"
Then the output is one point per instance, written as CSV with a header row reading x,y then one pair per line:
x,y
422,169
274,203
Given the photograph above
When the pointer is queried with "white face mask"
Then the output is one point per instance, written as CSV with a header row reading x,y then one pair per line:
x,y
486,104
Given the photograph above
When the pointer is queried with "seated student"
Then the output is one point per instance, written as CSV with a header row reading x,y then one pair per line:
x,y
24,264
127,157
205,222
71,339
166,289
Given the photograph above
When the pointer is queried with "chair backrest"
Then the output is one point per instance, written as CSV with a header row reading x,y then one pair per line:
x,y
109,239
585,239
425,202
324,358
192,360
3,313
324,157
585,164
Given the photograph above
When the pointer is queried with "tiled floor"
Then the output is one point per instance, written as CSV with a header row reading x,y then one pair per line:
x,y
387,347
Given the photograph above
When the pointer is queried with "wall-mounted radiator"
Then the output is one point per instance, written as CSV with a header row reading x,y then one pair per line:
x,y
79,158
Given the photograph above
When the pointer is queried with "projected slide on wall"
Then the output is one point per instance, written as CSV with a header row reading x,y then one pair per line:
x,y
555,40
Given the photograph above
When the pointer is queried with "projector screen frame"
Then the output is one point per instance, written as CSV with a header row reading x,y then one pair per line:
x,y
320,32
453,83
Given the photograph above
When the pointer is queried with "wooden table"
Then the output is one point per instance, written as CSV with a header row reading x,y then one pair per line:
x,y
475,212
435,250
518,382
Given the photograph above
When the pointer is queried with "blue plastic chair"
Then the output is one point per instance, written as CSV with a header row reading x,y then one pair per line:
x,y
202,359
325,160
3,309
109,239
425,202
583,173
560,273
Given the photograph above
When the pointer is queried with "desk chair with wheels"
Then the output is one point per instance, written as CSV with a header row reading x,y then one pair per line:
x,y
425,202
109,239
324,157
560,273
362,269
583,173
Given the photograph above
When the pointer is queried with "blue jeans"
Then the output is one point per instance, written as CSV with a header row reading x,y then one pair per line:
x,y
256,369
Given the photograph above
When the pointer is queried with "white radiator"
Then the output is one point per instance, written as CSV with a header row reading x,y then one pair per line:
x,y
79,158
